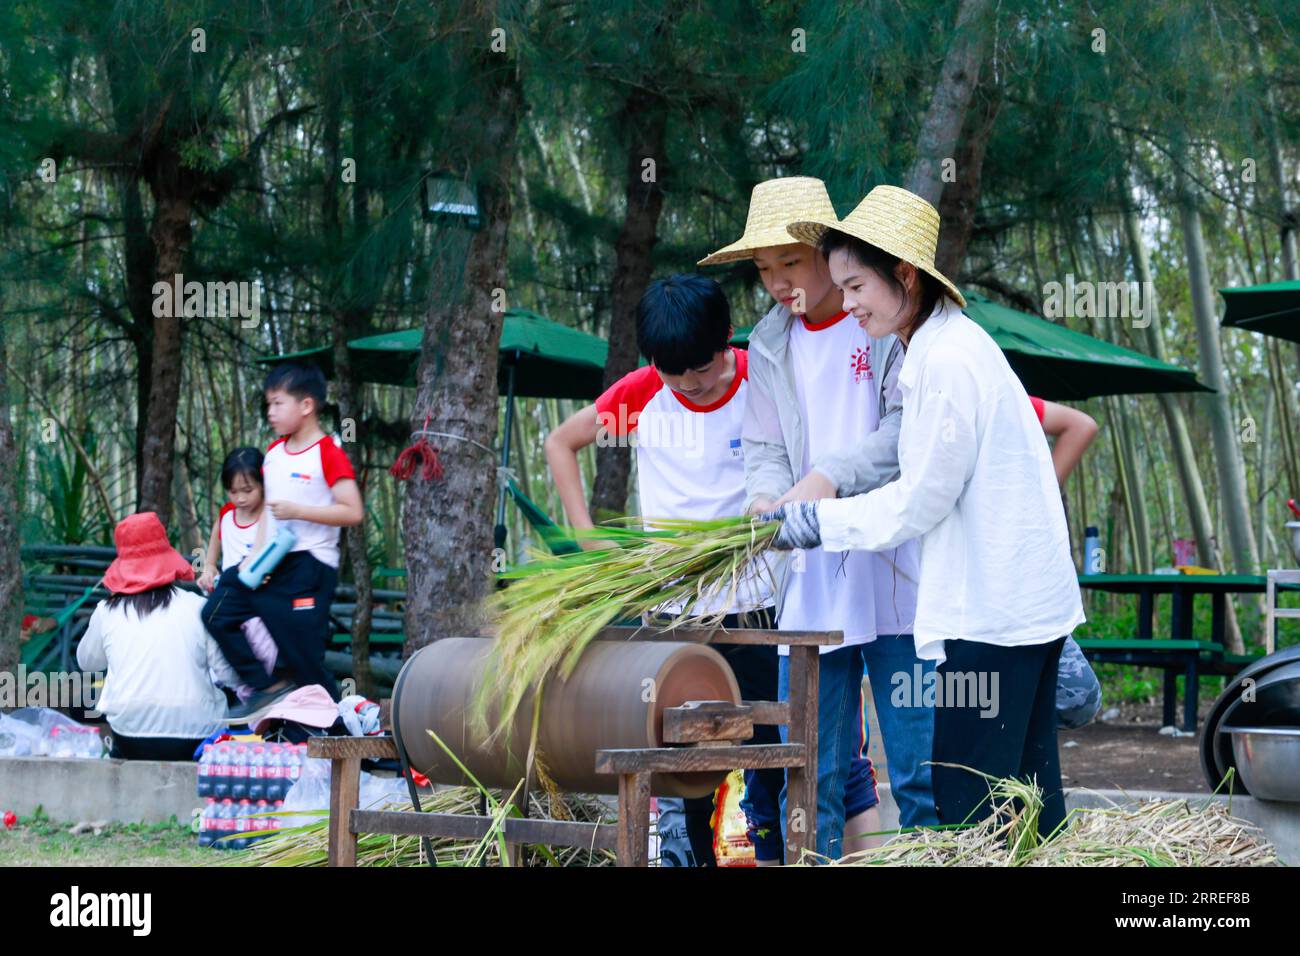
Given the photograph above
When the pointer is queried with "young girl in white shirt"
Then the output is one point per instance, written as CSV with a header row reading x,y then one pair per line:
x,y
997,593
236,530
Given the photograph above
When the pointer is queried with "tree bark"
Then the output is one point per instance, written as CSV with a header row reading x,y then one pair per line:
x,y
961,197
171,233
192,540
1189,474
447,523
943,121
1223,432
138,252
11,571
646,117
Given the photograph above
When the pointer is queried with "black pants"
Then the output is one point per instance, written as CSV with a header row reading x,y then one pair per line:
x,y
1016,740
755,668
295,607
153,748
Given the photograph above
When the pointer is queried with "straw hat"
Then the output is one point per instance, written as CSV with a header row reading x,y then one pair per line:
x,y
893,219
145,559
773,205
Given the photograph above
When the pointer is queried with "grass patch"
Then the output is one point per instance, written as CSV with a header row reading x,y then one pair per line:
x,y
39,841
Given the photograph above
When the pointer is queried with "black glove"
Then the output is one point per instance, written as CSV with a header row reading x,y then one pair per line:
x,y
800,527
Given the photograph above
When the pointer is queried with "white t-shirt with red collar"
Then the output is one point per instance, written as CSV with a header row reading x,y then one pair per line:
x,y
237,540
689,459
861,593
305,477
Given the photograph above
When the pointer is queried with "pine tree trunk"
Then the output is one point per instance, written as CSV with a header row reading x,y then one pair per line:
x,y
961,196
646,118
11,570
139,274
171,236
943,121
1189,474
191,531
447,523
1223,431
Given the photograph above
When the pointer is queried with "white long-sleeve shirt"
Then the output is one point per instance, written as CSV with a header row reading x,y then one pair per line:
x,y
976,485
157,683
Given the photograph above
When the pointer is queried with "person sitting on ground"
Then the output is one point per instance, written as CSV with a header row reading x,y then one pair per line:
x,y
158,697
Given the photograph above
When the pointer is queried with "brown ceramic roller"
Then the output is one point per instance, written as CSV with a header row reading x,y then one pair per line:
x,y
615,698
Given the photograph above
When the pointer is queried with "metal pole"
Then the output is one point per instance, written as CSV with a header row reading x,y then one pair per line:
x,y
499,532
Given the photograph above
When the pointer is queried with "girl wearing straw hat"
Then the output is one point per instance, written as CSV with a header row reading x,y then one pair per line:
x,y
998,592
158,697
822,418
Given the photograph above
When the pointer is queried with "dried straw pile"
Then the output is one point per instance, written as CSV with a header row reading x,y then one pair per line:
x,y
306,844
1151,833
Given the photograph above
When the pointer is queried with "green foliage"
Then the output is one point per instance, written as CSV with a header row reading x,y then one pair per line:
x,y
63,480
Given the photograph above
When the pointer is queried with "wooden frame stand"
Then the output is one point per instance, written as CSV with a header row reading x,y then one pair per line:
x,y
706,735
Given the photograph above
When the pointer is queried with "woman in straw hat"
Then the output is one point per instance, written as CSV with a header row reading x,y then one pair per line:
x,y
158,697
998,592
822,418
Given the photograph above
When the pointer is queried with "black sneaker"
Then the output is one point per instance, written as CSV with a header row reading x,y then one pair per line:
x,y
256,706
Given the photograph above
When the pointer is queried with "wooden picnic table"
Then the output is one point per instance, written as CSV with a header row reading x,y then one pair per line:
x,y
1183,588
1179,650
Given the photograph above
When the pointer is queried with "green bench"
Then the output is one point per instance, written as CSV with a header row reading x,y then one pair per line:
x,y
1191,658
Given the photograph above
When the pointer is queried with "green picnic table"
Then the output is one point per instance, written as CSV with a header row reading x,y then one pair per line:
x,y
1180,651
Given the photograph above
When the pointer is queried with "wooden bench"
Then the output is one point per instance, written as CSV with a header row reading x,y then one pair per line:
x,y
1191,658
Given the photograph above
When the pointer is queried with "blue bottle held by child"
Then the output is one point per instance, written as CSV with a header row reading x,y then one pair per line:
x,y
266,560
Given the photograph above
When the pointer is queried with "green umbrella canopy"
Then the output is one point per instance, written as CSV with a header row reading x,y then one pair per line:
x,y
550,360
1270,309
1057,363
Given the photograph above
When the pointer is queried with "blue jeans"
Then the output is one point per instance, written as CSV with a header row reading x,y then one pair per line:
x,y
840,737
908,730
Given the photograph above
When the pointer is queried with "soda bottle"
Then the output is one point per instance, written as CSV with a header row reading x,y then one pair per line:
x,y
243,825
262,822
221,771
256,774
205,771
239,773
294,758
207,821
277,821
225,824
274,773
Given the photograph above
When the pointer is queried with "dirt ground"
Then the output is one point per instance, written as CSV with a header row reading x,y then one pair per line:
x,y
1126,752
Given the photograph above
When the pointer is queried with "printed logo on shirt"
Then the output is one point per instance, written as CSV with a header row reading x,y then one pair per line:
x,y
304,604
299,476
860,363
674,430
736,451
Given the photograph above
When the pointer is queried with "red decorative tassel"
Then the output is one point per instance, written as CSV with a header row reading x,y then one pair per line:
x,y
419,454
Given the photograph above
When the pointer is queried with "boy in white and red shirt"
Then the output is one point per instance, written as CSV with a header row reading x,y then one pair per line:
x,y
310,488
684,413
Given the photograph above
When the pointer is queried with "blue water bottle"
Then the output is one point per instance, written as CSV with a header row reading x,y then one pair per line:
x,y
1092,561
265,561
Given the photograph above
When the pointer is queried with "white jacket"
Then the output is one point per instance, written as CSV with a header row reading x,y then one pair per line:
x,y
157,683
976,485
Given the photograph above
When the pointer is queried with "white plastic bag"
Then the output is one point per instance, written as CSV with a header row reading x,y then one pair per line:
x,y
44,732
18,738
61,736
312,791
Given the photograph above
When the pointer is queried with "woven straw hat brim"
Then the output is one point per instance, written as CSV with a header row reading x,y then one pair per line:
x,y
772,206
892,219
